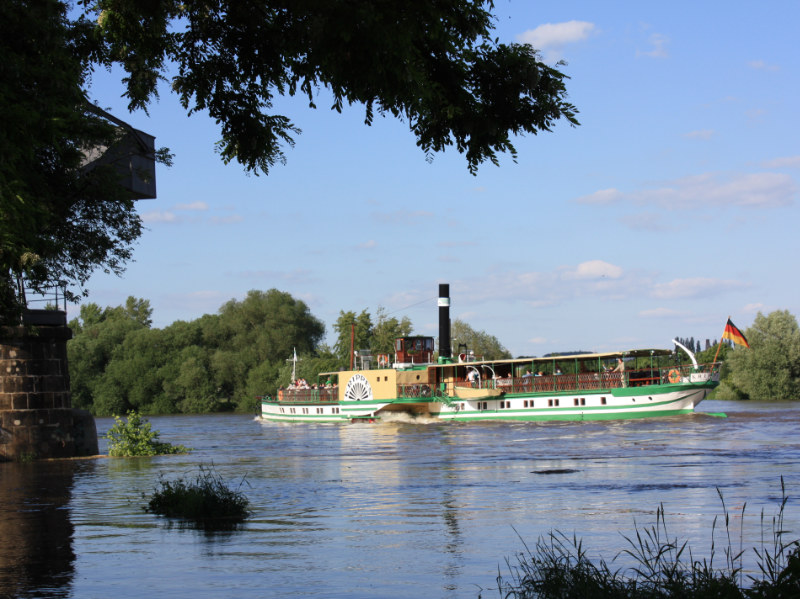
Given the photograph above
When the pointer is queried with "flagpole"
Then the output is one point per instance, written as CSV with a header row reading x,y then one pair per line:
x,y
719,345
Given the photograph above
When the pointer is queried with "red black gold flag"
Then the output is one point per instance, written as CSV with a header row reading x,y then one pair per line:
x,y
734,334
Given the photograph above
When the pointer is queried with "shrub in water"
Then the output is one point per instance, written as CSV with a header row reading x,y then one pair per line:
x,y
207,500
135,438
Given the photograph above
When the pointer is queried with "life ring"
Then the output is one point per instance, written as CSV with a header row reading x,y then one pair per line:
x,y
674,376
383,360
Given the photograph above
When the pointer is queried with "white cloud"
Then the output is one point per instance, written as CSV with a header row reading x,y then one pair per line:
x,y
157,216
594,269
700,134
694,287
658,43
226,220
752,190
785,162
193,207
551,38
604,196
660,313
368,245
760,65
557,35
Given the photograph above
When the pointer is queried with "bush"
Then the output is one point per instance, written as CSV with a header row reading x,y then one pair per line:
x,y
206,501
135,438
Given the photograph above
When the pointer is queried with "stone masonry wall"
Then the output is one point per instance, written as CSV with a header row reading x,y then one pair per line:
x,y
36,416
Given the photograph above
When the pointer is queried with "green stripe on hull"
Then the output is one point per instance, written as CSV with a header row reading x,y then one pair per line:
x,y
641,406
464,416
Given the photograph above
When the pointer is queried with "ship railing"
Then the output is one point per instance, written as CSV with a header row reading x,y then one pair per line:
x,y
419,390
590,381
683,372
325,395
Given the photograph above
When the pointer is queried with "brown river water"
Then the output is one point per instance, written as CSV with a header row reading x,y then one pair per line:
x,y
391,509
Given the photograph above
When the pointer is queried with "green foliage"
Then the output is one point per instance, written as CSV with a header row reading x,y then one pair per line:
x,y
59,221
770,368
218,362
378,338
207,501
352,332
387,330
484,345
134,437
665,567
98,338
434,65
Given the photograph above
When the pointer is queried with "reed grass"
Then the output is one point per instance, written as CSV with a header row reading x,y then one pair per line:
x,y
664,567
207,501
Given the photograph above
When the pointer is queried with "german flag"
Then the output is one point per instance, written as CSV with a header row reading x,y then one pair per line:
x,y
734,334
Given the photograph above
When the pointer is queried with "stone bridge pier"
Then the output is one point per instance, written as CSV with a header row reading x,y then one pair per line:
x,y
36,416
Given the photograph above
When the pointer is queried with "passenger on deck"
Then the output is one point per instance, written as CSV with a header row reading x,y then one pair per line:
x,y
620,368
473,377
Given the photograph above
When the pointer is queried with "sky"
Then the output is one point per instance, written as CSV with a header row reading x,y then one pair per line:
x,y
673,206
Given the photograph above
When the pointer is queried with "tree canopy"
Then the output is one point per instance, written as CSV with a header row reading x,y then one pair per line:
x,y
485,346
58,221
432,63
119,363
770,368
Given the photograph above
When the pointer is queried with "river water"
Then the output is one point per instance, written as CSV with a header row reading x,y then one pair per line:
x,y
390,509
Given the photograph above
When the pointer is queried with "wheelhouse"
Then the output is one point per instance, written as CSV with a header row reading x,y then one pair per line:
x,y
414,350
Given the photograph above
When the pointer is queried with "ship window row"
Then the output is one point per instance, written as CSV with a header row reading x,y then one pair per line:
x,y
529,403
305,410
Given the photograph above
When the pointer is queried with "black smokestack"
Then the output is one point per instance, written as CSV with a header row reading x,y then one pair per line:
x,y
444,321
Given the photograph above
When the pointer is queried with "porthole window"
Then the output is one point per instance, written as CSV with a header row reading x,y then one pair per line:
x,y
603,401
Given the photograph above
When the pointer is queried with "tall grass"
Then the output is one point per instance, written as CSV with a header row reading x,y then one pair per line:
x,y
559,568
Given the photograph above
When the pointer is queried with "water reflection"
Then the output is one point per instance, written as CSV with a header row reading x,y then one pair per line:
x,y
36,552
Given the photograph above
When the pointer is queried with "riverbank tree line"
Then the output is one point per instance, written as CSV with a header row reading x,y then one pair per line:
x,y
118,362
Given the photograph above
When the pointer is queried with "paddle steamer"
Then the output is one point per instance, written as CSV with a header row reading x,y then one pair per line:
x,y
596,386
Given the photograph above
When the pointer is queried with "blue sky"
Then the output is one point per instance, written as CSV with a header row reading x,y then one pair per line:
x,y
673,206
